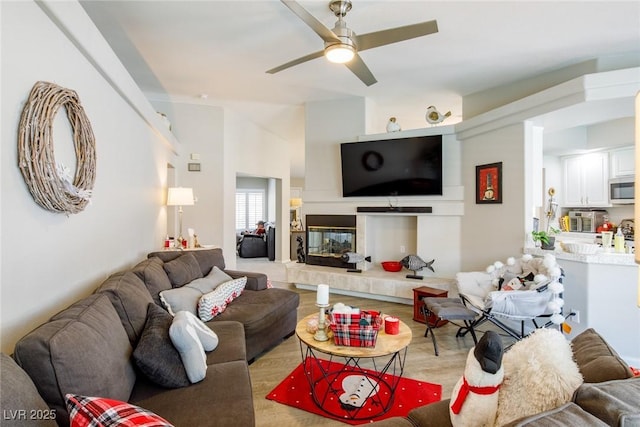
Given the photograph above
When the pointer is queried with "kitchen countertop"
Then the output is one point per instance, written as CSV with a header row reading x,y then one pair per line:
x,y
601,257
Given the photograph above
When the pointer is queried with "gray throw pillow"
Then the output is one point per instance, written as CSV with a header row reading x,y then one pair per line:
x,y
185,339
152,273
155,355
206,284
130,298
183,270
185,298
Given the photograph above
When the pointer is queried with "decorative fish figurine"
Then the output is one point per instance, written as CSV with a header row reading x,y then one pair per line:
x,y
415,263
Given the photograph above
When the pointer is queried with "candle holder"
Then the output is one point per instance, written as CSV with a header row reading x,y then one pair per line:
x,y
321,333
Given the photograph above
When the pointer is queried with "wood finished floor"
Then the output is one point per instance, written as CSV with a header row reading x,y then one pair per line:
x,y
421,363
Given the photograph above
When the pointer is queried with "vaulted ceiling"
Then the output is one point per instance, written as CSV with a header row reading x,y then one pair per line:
x,y
183,49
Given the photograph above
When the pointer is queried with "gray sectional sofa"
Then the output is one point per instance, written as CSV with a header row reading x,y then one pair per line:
x,y
114,343
609,396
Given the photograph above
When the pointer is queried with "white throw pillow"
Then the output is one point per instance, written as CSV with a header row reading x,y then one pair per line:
x,y
216,301
185,339
207,337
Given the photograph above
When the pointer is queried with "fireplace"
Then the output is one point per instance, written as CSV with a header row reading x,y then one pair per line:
x,y
328,238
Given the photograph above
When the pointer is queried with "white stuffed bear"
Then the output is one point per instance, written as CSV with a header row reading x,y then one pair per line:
x,y
474,400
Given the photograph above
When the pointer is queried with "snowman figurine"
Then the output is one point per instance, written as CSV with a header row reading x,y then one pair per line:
x,y
357,389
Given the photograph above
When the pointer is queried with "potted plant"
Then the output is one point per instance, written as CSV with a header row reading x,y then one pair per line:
x,y
546,238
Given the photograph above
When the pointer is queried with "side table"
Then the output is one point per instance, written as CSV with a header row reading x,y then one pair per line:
x,y
422,292
331,383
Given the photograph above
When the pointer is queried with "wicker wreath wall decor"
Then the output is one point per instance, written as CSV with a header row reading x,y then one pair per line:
x,y
51,184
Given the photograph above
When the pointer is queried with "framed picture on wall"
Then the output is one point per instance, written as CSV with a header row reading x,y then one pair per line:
x,y
489,183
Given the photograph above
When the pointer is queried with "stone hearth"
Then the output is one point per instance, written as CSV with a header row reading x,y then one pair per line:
x,y
374,283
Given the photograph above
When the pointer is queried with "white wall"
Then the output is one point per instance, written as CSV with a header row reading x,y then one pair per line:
x,y
199,128
48,259
493,232
229,145
249,150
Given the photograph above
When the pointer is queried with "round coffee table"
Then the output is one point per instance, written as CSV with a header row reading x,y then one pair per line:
x,y
349,389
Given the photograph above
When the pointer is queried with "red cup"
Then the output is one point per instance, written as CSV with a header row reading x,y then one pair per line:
x,y
391,325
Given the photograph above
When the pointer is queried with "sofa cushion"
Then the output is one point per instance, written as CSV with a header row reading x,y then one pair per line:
x,y
97,411
84,349
596,359
258,310
215,302
18,393
209,402
616,403
231,342
255,281
267,316
155,355
568,414
150,271
130,298
207,258
434,414
182,270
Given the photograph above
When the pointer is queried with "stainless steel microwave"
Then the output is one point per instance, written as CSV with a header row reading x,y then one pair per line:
x,y
622,190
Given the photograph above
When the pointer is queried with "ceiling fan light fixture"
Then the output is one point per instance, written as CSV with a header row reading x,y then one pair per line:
x,y
339,53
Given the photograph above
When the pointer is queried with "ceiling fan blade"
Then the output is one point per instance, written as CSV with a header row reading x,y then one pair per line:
x,y
290,64
325,33
394,35
360,69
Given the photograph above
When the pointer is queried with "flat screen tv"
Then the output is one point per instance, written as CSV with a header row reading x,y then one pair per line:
x,y
392,167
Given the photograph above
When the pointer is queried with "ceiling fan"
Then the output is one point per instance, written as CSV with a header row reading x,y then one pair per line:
x,y
341,44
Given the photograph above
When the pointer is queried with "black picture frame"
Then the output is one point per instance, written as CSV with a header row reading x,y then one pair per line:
x,y
489,183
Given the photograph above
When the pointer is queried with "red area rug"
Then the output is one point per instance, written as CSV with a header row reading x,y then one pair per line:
x,y
295,391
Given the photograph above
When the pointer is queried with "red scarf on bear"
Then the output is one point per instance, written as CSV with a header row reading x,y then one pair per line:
x,y
456,407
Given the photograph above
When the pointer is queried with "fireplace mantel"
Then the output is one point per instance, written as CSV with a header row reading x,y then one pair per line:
x,y
395,209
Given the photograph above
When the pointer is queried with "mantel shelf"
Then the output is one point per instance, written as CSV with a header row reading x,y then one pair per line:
x,y
395,209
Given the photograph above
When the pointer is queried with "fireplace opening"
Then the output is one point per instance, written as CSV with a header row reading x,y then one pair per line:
x,y
328,238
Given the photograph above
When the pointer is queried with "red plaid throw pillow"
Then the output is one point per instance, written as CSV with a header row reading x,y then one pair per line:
x,y
102,412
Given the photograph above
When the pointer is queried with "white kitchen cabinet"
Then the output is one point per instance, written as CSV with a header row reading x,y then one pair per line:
x,y
623,162
585,180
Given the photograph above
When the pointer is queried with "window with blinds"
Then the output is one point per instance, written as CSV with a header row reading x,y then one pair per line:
x,y
250,207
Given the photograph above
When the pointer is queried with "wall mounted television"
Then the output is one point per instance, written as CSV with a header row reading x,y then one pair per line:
x,y
392,167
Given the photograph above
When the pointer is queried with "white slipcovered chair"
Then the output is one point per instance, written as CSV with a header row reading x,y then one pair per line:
x,y
513,293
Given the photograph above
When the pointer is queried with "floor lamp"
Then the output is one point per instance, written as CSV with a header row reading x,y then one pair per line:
x,y
180,196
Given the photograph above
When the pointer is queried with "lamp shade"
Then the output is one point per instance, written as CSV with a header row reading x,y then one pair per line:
x,y
180,196
295,202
